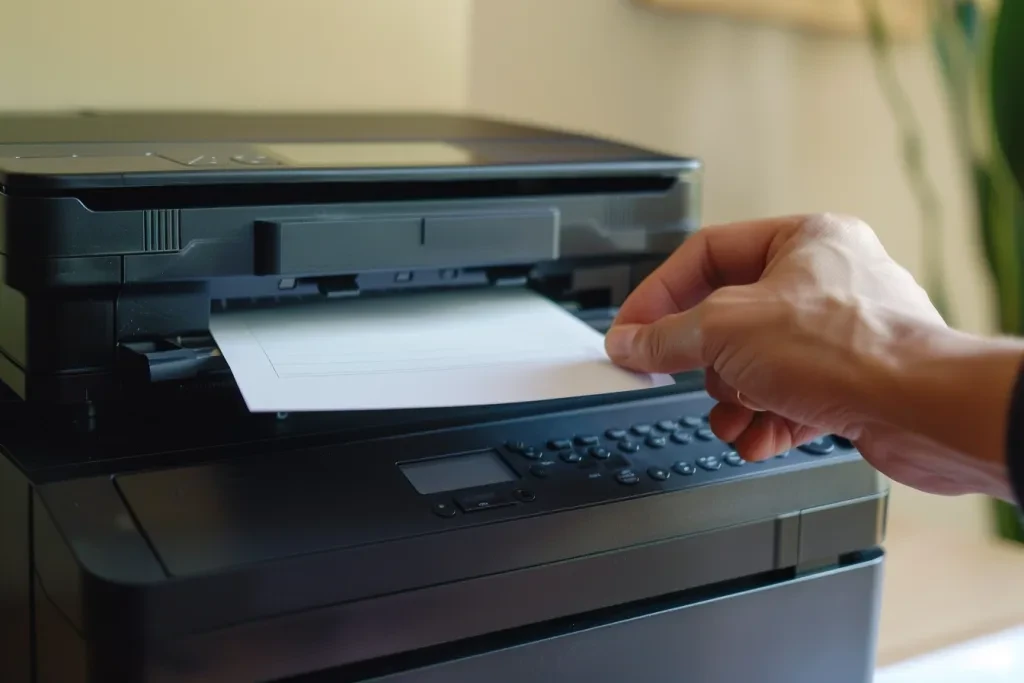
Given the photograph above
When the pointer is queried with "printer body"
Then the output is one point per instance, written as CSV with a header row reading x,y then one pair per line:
x,y
152,529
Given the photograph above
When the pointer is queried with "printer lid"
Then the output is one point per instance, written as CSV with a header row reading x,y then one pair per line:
x,y
58,151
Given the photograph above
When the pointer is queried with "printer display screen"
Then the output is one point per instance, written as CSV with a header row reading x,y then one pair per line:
x,y
457,472
368,154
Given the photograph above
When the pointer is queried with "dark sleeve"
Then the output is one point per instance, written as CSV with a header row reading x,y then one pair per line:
x,y
1015,439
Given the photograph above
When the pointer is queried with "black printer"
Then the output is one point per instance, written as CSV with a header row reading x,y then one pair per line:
x,y
153,530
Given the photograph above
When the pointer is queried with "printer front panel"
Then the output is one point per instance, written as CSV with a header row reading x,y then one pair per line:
x,y
341,536
96,298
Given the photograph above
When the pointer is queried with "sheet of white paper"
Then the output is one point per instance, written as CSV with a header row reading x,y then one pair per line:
x,y
480,347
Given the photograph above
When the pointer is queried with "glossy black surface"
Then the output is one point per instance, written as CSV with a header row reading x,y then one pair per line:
x,y
63,152
310,549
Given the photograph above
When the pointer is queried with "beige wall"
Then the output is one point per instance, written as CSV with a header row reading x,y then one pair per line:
x,y
784,122
237,54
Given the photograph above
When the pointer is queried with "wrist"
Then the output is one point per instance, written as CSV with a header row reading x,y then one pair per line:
x,y
951,388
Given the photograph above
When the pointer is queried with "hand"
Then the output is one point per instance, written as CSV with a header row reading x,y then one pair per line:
x,y
805,326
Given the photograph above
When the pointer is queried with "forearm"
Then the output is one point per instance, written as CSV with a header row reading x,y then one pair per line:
x,y
957,390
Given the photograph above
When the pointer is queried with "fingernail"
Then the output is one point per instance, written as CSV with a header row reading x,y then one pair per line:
x,y
618,343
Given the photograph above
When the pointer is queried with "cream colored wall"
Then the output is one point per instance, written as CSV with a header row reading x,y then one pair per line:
x,y
784,122
233,54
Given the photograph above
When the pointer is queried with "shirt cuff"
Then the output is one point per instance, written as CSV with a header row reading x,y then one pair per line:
x,y
1015,439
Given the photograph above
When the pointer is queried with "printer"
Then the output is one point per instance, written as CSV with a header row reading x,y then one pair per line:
x,y
154,530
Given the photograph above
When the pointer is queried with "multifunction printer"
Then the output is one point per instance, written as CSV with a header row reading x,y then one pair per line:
x,y
154,530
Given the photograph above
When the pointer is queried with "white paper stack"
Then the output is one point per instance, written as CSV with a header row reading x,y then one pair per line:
x,y
425,350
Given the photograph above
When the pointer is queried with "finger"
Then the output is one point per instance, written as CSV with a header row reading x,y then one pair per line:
x,y
714,257
669,345
717,388
729,420
769,434
766,436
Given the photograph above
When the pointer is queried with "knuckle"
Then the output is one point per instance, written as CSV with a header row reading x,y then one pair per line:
x,y
656,344
837,225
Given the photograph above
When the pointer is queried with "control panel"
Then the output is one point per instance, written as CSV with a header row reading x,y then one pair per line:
x,y
584,460
360,493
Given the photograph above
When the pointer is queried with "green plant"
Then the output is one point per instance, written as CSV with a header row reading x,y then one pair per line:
x,y
980,50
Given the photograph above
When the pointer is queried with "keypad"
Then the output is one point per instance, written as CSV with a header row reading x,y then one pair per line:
x,y
732,458
646,451
821,446
657,473
655,441
627,446
709,463
644,454
682,437
684,468
627,476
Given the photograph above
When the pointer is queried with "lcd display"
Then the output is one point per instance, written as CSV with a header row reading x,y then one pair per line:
x,y
457,472
368,154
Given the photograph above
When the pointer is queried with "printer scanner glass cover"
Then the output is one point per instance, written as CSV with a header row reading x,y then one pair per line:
x,y
351,154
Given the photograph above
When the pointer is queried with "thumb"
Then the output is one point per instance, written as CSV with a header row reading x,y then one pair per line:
x,y
669,345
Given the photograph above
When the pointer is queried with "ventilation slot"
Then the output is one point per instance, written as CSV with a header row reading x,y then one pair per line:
x,y
161,230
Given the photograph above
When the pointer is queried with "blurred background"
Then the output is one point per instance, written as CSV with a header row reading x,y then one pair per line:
x,y
789,116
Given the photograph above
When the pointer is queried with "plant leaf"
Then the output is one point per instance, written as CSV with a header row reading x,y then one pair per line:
x,y
1006,81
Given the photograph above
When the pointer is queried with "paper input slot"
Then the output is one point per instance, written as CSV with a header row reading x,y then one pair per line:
x,y
485,346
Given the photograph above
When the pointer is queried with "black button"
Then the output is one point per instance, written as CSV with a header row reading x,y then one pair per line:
x,y
475,502
531,453
541,469
628,446
627,477
704,434
516,446
444,509
733,458
656,441
690,421
667,425
682,437
684,468
524,495
822,446
570,456
709,463
559,444
657,473
641,429
842,442
599,453
587,440
616,434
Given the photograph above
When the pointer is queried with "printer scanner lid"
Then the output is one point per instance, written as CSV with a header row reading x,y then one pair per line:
x,y
62,152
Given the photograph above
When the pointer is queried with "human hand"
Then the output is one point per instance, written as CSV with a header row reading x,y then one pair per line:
x,y
805,326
